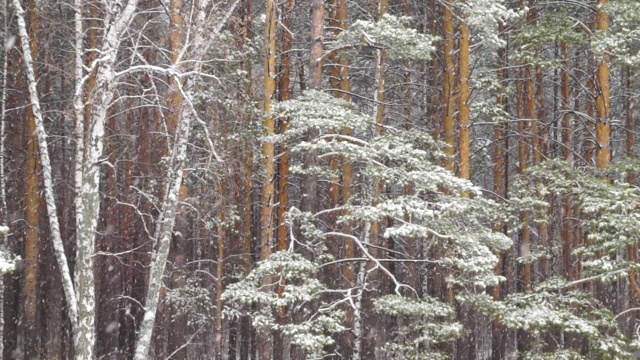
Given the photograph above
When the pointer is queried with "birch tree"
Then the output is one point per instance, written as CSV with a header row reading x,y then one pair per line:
x,y
70,295
162,237
81,298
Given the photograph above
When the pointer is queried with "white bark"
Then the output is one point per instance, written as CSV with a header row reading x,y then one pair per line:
x,y
81,302
357,315
357,311
164,229
52,214
78,106
87,217
163,234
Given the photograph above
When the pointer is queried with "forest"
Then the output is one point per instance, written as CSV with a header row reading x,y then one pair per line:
x,y
319,179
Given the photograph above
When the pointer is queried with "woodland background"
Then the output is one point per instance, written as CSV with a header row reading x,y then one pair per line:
x,y
364,179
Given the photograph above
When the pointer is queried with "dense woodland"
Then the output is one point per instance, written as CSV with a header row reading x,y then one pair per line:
x,y
363,179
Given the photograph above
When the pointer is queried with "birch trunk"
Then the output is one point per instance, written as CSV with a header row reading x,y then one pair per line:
x,y
162,237
87,220
169,209
45,162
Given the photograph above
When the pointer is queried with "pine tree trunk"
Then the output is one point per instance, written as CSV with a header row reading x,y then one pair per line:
x,y
285,94
339,76
247,200
602,90
632,250
32,236
500,169
448,85
567,155
267,199
464,170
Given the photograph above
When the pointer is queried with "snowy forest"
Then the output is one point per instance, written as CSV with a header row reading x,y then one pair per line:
x,y
319,179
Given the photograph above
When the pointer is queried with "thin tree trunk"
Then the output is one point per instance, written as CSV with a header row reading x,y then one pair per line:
x,y
280,350
220,278
464,170
285,94
175,187
589,130
309,201
567,155
540,152
177,332
264,340
247,203
528,105
602,89
373,325
348,344
32,236
46,164
333,244
87,219
498,180
162,236
448,85
632,250
3,185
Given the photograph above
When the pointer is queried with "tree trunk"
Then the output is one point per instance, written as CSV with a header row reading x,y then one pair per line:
x,y
464,170
309,201
499,153
3,179
162,237
46,168
246,333
32,218
448,85
602,89
264,340
632,250
567,155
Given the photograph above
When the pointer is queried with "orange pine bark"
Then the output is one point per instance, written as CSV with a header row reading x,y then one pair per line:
x,y
603,89
267,198
32,218
285,94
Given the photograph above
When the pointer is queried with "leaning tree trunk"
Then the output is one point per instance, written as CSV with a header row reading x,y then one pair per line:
x,y
164,228
45,163
162,237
